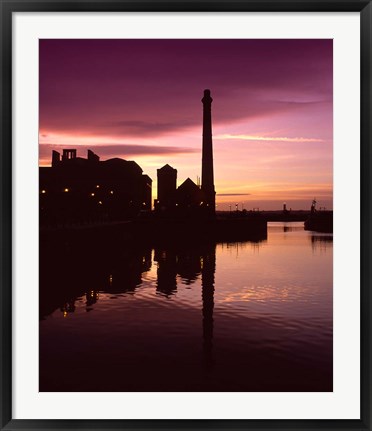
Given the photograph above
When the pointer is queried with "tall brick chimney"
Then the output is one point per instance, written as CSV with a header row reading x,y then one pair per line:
x,y
207,184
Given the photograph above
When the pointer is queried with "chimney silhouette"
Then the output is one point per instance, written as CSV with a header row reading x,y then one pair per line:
x,y
207,185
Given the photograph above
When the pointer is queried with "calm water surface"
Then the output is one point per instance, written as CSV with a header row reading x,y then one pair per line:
x,y
244,316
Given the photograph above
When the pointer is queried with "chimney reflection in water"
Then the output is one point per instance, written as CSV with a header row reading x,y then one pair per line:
x,y
189,265
207,281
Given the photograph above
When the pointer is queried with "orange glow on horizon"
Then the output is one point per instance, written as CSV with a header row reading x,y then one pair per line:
x,y
255,170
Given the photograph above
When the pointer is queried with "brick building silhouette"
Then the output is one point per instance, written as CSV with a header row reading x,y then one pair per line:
x,y
75,189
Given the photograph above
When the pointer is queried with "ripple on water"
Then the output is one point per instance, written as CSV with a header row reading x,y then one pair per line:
x,y
259,313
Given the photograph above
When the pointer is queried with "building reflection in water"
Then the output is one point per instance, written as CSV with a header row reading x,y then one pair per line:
x,y
68,307
181,263
166,271
190,264
321,243
91,298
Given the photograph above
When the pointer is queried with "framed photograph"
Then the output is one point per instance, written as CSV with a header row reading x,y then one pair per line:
x,y
185,193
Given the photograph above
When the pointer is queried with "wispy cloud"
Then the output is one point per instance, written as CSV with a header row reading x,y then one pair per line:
x,y
116,150
144,128
267,138
233,194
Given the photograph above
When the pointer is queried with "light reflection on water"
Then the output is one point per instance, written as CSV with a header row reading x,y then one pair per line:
x,y
249,316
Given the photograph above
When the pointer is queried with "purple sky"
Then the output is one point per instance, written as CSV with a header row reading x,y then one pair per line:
x,y
141,100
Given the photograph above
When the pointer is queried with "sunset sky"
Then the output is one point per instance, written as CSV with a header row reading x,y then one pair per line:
x,y
140,100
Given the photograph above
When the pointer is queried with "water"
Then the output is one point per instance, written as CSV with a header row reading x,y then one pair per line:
x,y
246,316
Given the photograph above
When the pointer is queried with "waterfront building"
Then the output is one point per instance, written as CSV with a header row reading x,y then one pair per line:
x,y
189,198
167,185
76,189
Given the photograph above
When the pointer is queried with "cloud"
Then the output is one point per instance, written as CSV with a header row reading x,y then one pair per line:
x,y
144,128
267,138
145,87
233,194
116,150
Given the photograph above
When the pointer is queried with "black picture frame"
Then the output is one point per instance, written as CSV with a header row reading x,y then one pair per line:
x,y
7,8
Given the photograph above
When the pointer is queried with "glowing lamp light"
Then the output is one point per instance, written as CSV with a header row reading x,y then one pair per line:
x,y
97,186
43,191
100,202
111,192
92,194
66,190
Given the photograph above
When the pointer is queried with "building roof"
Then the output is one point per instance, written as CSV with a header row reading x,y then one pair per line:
x,y
188,184
121,163
167,168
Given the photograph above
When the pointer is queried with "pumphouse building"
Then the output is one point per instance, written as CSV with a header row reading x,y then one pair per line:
x,y
76,189
190,198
